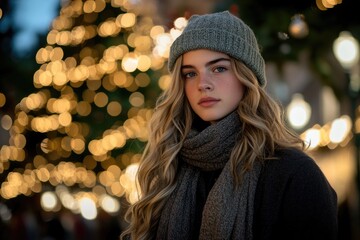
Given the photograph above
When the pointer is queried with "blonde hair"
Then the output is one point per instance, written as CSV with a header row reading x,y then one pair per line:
x,y
263,130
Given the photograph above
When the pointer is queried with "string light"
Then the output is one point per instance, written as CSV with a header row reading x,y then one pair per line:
x,y
96,83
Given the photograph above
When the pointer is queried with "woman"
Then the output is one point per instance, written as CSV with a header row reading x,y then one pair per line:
x,y
220,163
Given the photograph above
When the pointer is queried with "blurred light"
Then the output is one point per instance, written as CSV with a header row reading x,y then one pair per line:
x,y
114,108
2,99
66,198
83,108
326,4
136,99
88,208
346,50
65,119
312,138
5,213
127,20
101,99
298,27
163,42
108,28
129,62
144,63
109,204
142,80
77,145
164,82
62,108
18,140
6,122
142,43
48,201
128,181
320,5
180,23
298,111
340,128
39,161
156,30
89,6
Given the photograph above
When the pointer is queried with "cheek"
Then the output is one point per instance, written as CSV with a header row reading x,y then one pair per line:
x,y
238,87
188,91
241,91
191,96
235,91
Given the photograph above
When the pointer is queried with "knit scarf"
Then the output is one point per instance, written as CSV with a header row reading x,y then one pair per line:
x,y
228,211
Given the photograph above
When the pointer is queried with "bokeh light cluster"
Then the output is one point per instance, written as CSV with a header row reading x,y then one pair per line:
x,y
78,137
336,133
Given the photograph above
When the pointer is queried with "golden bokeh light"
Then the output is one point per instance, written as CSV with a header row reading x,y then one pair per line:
x,y
108,28
143,43
83,108
164,82
2,99
144,63
48,201
6,122
136,99
323,5
91,105
89,6
129,62
114,108
126,20
101,99
18,140
142,80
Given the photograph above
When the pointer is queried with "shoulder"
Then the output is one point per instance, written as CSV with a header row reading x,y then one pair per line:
x,y
293,193
293,171
289,162
292,156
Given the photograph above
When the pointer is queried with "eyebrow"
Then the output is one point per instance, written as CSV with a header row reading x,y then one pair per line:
x,y
208,63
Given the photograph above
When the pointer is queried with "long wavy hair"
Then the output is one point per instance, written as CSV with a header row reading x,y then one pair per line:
x,y
263,131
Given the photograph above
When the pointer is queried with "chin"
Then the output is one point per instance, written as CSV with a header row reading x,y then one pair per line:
x,y
211,119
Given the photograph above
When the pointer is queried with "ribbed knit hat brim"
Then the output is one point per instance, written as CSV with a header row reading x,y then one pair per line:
x,y
222,32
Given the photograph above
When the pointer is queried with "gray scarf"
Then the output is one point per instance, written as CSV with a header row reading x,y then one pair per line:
x,y
228,211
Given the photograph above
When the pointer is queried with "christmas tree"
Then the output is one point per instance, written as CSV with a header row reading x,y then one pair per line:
x,y
77,138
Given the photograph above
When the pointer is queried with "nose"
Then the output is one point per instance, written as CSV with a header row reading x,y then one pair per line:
x,y
205,83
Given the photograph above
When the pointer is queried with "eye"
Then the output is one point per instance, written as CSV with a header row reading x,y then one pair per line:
x,y
188,75
220,69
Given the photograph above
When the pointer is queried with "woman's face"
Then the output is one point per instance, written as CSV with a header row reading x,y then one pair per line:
x,y
211,86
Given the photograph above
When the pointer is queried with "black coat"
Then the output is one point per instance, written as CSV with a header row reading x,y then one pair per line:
x,y
294,200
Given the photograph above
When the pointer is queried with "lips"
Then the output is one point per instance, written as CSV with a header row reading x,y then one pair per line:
x,y
208,101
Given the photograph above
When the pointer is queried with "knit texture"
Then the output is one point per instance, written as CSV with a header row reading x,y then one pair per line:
x,y
228,211
222,32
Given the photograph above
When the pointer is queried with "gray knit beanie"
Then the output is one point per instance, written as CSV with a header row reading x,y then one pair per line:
x,y
221,32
